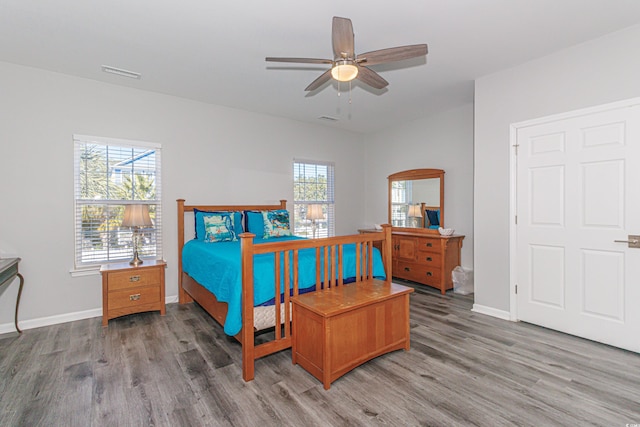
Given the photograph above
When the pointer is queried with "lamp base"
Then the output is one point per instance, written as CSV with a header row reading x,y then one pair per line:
x,y
135,261
135,240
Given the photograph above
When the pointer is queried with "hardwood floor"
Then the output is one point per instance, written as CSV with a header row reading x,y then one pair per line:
x,y
181,370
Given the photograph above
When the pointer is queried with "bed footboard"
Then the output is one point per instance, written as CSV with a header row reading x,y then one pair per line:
x,y
286,255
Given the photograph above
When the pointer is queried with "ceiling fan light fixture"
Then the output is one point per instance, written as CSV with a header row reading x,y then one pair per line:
x,y
344,70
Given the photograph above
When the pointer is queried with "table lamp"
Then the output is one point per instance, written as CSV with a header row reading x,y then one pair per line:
x,y
137,218
414,212
314,213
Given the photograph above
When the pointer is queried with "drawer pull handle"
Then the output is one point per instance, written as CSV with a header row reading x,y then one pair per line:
x,y
407,269
429,258
134,297
429,245
134,278
429,273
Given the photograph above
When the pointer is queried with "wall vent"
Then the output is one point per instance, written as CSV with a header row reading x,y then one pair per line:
x,y
121,72
328,118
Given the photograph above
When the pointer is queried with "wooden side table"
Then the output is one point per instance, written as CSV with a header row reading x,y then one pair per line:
x,y
8,272
128,289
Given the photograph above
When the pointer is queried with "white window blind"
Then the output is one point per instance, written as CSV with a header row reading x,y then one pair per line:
x,y
109,174
401,197
313,183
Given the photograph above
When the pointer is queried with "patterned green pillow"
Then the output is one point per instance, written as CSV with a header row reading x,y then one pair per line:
x,y
219,228
276,223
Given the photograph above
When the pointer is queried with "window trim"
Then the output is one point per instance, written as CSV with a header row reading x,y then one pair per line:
x,y
84,269
331,185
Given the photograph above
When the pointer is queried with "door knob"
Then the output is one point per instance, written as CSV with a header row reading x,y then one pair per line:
x,y
633,241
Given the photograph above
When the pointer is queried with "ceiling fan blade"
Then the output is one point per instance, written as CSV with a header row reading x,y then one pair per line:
x,y
299,60
342,38
324,77
371,78
392,54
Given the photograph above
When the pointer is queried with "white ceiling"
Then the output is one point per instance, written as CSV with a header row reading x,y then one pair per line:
x,y
213,51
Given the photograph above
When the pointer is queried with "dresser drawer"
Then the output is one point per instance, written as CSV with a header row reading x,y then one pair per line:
x,y
429,245
420,273
133,297
131,279
429,259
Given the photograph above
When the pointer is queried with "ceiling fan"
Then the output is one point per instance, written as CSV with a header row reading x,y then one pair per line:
x,y
346,65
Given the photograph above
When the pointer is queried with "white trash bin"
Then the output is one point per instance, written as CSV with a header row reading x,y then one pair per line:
x,y
462,280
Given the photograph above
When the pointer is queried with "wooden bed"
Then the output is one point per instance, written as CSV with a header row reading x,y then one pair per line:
x,y
189,290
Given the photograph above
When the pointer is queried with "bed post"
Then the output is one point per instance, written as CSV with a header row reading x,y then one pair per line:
x,y
387,250
248,343
183,298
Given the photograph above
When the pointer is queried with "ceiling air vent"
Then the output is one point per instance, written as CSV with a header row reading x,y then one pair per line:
x,y
121,72
328,118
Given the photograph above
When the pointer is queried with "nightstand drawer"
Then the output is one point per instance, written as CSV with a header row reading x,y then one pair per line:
x,y
134,297
131,279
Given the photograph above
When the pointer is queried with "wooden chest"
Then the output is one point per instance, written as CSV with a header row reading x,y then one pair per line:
x,y
337,329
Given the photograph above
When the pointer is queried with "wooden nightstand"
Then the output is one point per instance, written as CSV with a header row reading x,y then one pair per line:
x,y
127,289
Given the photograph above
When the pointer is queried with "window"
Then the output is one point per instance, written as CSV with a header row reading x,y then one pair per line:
x,y
313,184
401,196
109,174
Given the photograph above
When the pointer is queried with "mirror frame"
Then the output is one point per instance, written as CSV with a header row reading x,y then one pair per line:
x,y
413,174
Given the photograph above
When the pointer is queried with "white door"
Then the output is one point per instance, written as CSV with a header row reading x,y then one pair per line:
x,y
577,192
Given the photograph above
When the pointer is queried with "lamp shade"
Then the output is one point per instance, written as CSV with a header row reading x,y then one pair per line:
x,y
314,212
136,216
414,211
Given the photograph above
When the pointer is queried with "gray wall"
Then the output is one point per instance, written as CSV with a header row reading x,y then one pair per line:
x,y
600,71
211,154
443,141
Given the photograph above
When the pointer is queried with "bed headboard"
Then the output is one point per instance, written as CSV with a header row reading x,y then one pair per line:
x,y
183,209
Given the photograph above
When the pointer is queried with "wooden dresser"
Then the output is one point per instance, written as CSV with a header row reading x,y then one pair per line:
x,y
426,258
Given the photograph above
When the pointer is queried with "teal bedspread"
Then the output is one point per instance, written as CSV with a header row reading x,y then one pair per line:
x,y
216,266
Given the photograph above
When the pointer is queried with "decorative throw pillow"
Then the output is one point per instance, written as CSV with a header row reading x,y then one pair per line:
x,y
199,215
254,223
219,228
276,223
434,217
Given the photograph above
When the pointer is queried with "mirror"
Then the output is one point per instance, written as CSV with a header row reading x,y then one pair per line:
x,y
416,199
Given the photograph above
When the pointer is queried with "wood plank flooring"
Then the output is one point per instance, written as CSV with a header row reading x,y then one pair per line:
x,y
463,369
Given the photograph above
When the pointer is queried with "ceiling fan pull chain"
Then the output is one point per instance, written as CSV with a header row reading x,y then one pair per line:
x,y
349,92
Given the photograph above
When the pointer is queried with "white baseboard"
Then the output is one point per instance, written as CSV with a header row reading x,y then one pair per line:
x,y
51,320
62,318
490,311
